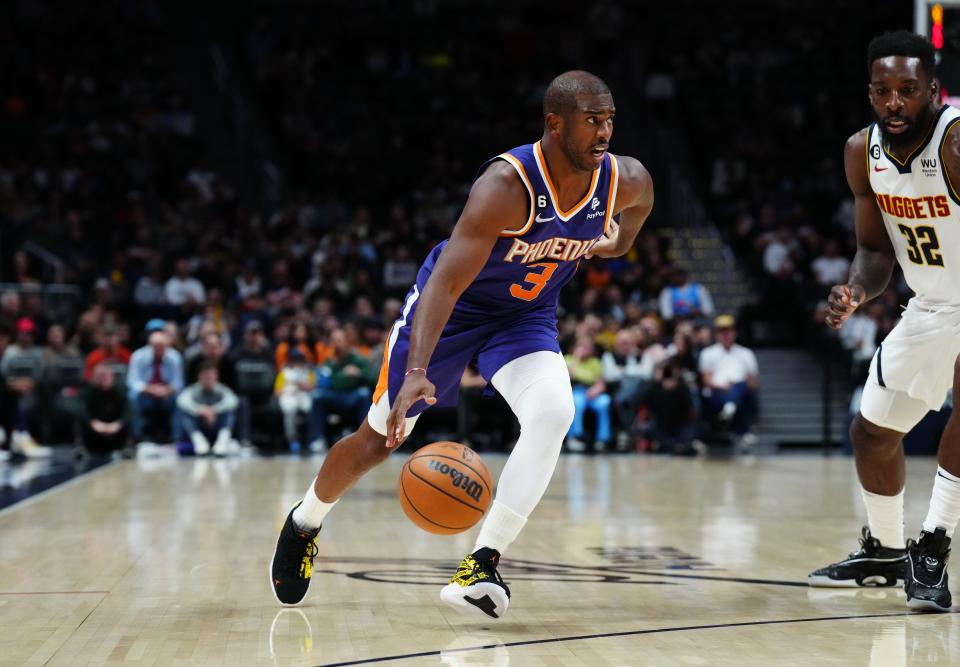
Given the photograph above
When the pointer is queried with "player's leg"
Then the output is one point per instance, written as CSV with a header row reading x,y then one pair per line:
x,y
537,388
877,435
575,441
926,583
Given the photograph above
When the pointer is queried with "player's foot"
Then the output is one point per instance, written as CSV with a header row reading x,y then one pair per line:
x,y
292,564
872,565
926,582
477,589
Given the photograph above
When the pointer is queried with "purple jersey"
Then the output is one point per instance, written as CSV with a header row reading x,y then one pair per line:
x,y
529,265
510,309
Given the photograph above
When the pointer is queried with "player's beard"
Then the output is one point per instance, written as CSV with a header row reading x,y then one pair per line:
x,y
578,158
915,131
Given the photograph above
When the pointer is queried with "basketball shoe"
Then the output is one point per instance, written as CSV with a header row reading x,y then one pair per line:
x,y
477,589
926,581
292,564
872,565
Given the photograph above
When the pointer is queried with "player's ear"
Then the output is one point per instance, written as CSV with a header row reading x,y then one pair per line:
x,y
935,88
554,122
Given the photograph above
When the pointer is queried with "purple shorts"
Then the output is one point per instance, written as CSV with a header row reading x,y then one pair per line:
x,y
490,342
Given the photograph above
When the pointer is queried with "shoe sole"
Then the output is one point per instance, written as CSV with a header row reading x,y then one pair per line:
x,y
479,601
925,605
875,581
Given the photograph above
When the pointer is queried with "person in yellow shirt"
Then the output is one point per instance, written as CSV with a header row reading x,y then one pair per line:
x,y
293,389
589,393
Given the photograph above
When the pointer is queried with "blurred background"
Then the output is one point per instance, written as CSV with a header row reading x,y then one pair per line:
x,y
258,183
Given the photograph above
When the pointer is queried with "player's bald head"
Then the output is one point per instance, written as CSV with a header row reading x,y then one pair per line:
x,y
561,95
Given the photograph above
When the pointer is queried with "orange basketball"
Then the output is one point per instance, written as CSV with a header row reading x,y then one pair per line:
x,y
444,488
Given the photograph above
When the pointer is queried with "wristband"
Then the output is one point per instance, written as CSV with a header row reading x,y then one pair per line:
x,y
416,370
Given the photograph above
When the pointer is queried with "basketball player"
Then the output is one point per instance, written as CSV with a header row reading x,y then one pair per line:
x,y
489,293
904,171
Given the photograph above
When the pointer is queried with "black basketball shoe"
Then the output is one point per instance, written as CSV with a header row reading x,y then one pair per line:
x,y
477,589
292,564
872,565
926,582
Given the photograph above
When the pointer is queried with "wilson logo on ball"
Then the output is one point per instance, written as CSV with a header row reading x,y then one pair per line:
x,y
461,480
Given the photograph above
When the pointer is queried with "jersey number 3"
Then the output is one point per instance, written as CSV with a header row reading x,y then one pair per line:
x,y
922,245
537,280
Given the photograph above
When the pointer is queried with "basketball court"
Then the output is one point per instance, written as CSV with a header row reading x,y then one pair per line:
x,y
627,561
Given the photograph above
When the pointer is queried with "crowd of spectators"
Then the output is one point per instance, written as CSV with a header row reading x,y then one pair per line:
x,y
103,169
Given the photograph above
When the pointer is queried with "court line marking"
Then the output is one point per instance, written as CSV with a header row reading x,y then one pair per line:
x,y
625,633
29,500
55,593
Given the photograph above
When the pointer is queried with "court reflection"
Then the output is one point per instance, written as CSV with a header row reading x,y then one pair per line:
x,y
477,648
291,638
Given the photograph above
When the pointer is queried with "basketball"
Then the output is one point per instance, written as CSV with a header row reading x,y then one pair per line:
x,y
444,488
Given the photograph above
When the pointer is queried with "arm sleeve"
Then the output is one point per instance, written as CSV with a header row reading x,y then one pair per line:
x,y
177,366
228,402
186,401
135,381
706,301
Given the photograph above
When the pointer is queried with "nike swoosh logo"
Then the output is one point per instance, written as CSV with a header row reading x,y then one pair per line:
x,y
878,169
539,219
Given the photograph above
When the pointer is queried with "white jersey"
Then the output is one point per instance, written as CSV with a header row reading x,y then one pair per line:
x,y
920,210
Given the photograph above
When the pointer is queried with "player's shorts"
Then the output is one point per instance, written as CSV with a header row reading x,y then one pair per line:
x,y
489,341
913,368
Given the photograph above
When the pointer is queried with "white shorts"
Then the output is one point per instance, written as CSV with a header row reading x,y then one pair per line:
x,y
912,369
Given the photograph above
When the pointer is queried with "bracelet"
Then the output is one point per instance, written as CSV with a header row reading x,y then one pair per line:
x,y
416,370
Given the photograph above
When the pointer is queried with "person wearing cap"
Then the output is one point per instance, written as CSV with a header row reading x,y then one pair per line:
x,y
22,367
294,386
729,374
109,351
154,378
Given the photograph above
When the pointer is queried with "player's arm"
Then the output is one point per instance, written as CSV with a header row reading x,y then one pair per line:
x,y
634,203
497,201
873,264
950,157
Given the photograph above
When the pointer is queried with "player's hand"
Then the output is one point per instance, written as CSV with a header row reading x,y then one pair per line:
x,y
607,245
843,300
415,387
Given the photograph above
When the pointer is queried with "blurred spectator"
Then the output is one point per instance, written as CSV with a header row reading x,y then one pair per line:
x,y
589,394
778,255
105,415
110,351
208,409
57,347
830,268
399,272
300,338
628,379
294,386
684,298
22,369
344,387
253,365
730,379
212,352
182,288
9,309
674,425
154,378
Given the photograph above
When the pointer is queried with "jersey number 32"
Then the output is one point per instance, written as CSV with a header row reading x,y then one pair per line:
x,y
922,244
